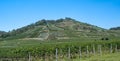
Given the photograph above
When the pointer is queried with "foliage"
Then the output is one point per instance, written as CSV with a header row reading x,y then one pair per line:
x,y
34,30
115,28
35,47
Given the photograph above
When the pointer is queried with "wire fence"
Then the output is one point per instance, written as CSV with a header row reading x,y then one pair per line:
x,y
59,55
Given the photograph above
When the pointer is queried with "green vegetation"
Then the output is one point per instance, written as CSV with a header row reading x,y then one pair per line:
x,y
41,39
104,57
20,48
115,28
60,28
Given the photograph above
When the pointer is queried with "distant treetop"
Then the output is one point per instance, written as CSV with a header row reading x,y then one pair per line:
x,y
115,28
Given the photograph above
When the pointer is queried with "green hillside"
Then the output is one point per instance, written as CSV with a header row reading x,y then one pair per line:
x,y
115,28
41,39
67,28
2,32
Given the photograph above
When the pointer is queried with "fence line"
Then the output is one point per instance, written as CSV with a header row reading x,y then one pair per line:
x,y
98,49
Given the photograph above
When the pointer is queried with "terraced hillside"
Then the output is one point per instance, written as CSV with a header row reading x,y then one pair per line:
x,y
41,39
67,28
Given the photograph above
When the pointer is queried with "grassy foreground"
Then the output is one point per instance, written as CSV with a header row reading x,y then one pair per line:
x,y
104,57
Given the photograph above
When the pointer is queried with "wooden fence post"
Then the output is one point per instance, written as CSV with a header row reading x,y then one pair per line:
x,y
116,48
69,53
29,58
111,48
80,52
100,49
56,54
87,51
93,49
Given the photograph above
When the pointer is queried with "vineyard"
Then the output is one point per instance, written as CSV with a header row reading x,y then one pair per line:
x,y
59,40
57,50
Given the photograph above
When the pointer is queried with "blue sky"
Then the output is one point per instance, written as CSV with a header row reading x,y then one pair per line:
x,y
18,13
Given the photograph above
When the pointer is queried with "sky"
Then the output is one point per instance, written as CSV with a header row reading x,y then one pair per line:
x,y
18,13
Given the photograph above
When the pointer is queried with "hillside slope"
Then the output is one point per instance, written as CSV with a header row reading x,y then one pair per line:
x,y
67,28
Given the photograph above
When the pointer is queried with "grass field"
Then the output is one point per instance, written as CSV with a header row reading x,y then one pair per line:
x,y
104,57
21,48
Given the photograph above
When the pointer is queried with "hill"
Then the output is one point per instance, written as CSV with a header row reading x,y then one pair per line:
x,y
44,36
66,28
115,28
1,33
